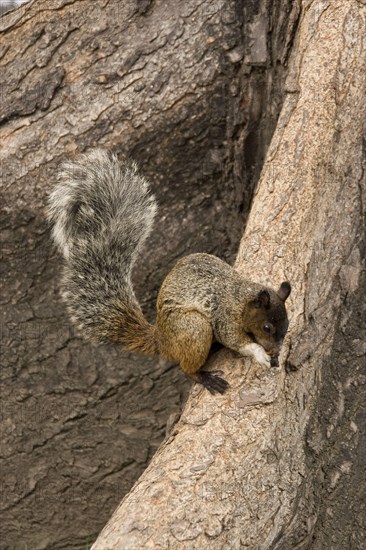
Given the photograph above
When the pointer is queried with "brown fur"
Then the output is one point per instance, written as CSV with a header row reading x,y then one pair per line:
x,y
130,328
186,336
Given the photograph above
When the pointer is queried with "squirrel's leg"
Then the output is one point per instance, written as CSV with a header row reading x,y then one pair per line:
x,y
243,344
188,339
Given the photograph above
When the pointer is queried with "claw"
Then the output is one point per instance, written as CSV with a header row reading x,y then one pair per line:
x,y
217,372
212,382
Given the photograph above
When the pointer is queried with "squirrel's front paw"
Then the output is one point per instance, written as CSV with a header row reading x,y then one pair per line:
x,y
262,357
258,353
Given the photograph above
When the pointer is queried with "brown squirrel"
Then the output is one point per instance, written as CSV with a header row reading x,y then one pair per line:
x,y
102,211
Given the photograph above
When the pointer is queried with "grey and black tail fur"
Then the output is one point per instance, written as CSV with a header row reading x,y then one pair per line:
x,y
102,211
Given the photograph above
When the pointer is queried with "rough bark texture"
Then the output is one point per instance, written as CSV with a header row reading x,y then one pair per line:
x,y
192,91
7,6
279,462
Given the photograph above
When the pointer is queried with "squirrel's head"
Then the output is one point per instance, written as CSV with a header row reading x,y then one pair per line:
x,y
266,319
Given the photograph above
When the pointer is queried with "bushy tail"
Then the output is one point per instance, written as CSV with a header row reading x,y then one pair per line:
x,y
102,211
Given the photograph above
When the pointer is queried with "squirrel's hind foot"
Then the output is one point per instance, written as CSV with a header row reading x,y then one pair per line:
x,y
212,382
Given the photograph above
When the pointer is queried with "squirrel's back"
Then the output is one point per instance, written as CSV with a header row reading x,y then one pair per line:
x,y
102,211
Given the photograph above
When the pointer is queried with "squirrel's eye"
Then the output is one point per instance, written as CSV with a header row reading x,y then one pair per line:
x,y
267,328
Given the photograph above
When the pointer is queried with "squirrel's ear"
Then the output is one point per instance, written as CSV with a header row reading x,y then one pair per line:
x,y
284,291
262,300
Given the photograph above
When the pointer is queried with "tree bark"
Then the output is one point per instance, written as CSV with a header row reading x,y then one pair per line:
x,y
278,461
192,91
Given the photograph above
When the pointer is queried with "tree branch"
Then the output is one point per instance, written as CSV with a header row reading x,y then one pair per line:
x,y
234,471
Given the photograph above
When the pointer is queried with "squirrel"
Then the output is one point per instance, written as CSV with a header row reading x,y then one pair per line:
x,y
102,211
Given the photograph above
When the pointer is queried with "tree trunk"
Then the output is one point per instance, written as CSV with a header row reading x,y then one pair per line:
x,y
192,91
279,461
